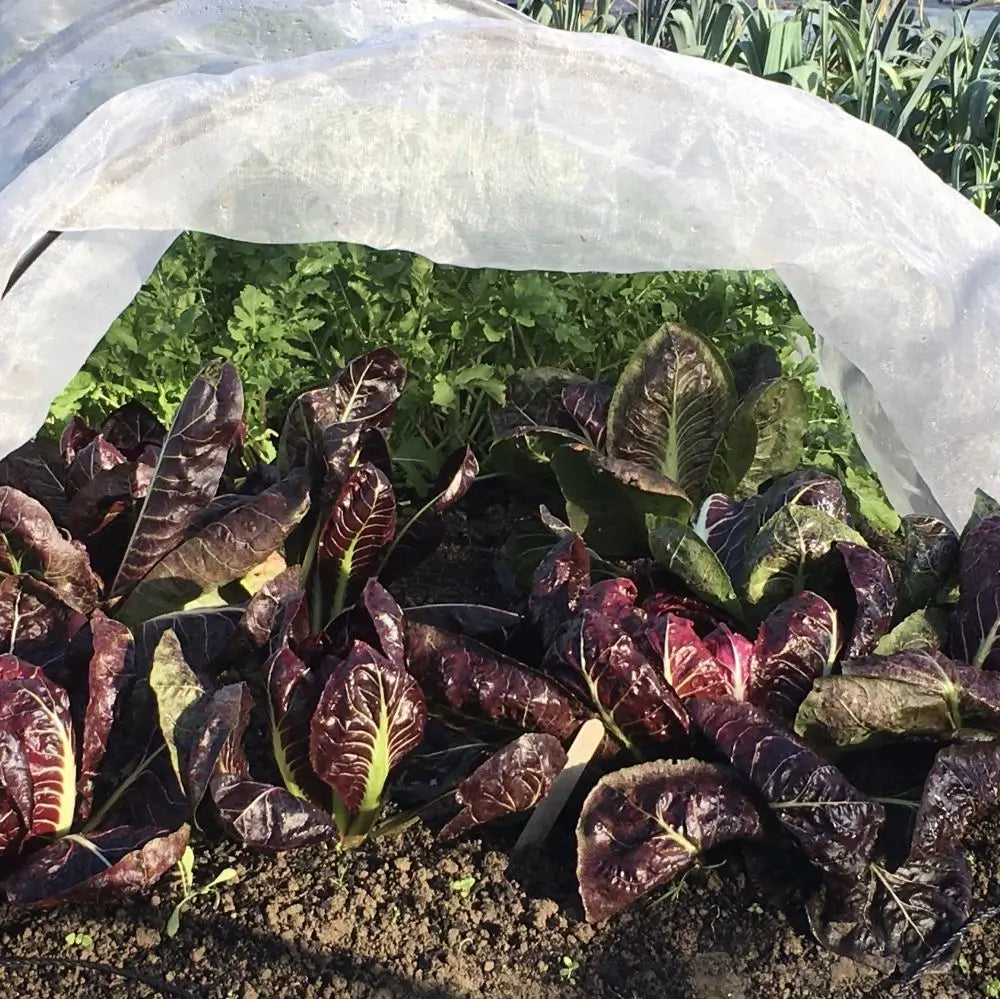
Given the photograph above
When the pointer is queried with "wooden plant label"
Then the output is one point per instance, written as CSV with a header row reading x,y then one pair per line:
x,y
581,752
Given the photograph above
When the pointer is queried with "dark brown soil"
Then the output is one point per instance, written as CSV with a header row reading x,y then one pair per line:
x,y
411,918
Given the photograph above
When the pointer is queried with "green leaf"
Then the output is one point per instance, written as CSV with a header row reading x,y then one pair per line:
x,y
793,552
680,551
608,500
925,629
671,406
181,701
780,414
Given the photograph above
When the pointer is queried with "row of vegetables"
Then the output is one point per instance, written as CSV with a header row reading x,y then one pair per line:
x,y
195,643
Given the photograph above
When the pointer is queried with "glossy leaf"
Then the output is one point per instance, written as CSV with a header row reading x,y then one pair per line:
x,y
557,587
224,551
188,471
34,624
112,669
680,551
835,824
387,620
97,456
110,492
631,694
36,712
961,788
217,747
794,551
36,470
976,628
642,826
370,715
514,779
874,594
365,391
689,665
608,499
361,526
726,526
16,793
587,403
798,642
268,818
95,868
930,560
467,676
30,543
293,692
133,429
671,406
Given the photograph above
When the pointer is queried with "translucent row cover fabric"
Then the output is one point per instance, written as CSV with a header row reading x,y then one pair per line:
x,y
460,130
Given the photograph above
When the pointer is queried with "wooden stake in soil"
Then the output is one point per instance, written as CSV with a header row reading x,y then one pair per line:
x,y
581,752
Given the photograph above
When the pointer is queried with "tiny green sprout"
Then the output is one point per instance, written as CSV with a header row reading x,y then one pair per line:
x,y
82,940
755,908
189,892
570,966
991,988
463,886
963,964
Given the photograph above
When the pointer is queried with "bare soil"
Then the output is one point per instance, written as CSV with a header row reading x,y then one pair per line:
x,y
412,918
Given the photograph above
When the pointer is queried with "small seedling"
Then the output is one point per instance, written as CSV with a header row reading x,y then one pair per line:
x,y
463,886
189,892
82,940
991,988
963,964
570,966
755,908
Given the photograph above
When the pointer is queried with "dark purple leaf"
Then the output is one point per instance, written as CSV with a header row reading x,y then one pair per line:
x,y
203,634
634,697
224,551
218,747
133,429
370,715
587,403
105,496
16,793
961,788
874,593
726,526
642,826
558,584
112,668
37,471
36,712
268,818
265,608
30,543
95,868
834,823
97,456
534,399
34,624
704,617
355,538
515,779
366,391
75,436
387,620
188,473
805,487
293,692
469,677
753,365
977,620
797,642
